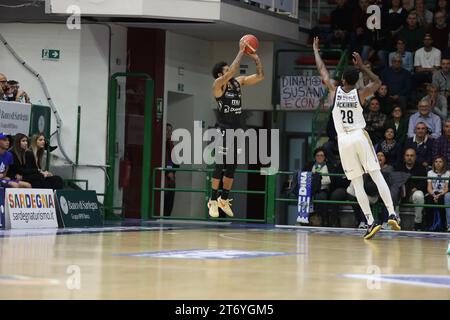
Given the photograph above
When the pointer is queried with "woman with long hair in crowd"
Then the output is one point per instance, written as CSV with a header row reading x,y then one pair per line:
x,y
33,165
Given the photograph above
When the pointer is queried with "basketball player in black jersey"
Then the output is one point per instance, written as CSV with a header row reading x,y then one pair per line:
x,y
227,92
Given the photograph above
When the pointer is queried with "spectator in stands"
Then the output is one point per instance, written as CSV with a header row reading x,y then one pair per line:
x,y
15,93
320,166
385,167
441,146
414,188
426,60
399,123
422,143
408,5
412,34
440,31
433,121
407,57
169,196
398,81
442,6
33,160
374,120
6,160
436,189
441,78
341,25
437,101
397,17
3,87
424,16
386,103
390,147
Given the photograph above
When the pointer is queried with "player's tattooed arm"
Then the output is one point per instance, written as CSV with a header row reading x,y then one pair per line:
x,y
375,83
254,78
321,66
223,80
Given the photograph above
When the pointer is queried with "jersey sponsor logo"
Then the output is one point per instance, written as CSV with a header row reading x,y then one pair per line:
x,y
230,95
235,102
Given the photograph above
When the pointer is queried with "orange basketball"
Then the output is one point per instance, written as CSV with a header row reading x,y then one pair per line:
x,y
252,43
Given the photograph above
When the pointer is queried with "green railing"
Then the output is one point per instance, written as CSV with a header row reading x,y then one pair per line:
x,y
269,193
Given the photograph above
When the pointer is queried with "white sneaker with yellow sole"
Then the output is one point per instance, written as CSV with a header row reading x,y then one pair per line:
x,y
225,205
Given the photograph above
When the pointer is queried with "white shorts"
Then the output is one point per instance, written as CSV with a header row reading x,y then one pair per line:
x,y
357,153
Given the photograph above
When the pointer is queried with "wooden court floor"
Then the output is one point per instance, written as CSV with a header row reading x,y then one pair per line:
x,y
190,261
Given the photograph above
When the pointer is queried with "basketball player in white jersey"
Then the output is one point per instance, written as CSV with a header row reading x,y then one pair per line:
x,y
355,147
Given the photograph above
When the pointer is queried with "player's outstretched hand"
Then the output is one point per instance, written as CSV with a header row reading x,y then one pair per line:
x,y
357,59
242,45
316,44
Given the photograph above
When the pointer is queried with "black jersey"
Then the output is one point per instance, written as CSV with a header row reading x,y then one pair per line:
x,y
229,113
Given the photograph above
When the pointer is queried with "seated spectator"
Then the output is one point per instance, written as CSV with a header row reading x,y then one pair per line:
x,y
386,103
6,159
399,123
422,143
320,166
426,60
440,31
33,163
414,188
424,16
437,101
436,189
341,25
441,145
391,149
15,94
412,34
441,78
3,87
408,5
442,6
397,17
407,57
398,81
433,121
384,166
374,120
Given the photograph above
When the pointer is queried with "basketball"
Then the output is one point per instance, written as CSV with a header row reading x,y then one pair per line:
x,y
252,43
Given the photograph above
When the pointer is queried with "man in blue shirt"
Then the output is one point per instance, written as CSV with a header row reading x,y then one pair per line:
x,y
432,121
407,57
398,80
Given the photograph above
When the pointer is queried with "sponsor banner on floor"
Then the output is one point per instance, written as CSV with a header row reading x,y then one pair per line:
x,y
78,208
30,208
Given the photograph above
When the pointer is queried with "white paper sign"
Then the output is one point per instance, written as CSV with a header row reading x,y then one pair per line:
x,y
301,92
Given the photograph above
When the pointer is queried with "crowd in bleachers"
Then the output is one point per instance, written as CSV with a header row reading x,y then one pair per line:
x,y
407,117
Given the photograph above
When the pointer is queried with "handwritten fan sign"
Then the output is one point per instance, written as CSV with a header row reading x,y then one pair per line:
x,y
301,93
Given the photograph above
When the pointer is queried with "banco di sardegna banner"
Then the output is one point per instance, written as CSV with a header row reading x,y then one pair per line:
x,y
302,93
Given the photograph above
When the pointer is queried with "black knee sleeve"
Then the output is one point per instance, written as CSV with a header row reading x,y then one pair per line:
x,y
229,170
218,169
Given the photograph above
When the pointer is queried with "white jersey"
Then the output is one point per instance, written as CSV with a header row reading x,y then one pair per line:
x,y
347,111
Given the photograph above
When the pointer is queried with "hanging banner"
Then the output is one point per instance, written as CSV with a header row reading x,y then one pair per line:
x,y
303,93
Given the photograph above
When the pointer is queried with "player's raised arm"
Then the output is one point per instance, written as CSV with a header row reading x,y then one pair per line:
x,y
372,87
254,78
223,79
329,83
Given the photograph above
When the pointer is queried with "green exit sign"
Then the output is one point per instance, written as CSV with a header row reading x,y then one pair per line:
x,y
51,54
